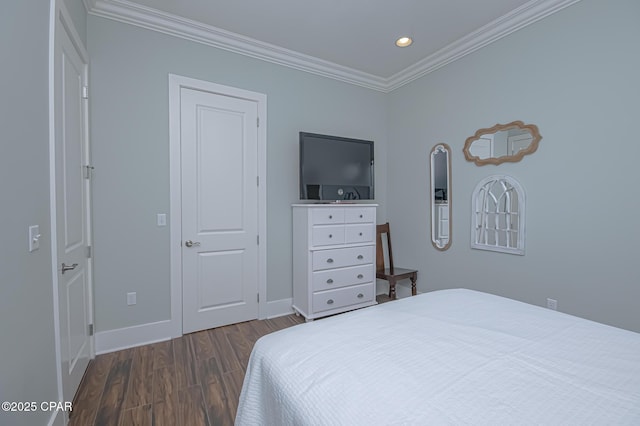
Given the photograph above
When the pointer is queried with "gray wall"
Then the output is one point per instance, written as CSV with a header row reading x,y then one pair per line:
x,y
27,351
130,141
575,75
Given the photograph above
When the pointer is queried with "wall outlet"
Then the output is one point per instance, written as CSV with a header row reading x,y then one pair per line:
x,y
161,219
131,298
552,304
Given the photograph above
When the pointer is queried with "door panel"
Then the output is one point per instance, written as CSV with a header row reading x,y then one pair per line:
x,y
219,209
72,212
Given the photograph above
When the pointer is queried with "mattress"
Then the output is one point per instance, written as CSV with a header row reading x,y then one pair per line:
x,y
451,357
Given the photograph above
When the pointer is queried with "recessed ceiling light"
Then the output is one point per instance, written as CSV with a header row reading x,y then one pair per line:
x,y
404,42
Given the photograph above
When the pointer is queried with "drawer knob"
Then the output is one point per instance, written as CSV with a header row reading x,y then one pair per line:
x,y
330,281
330,302
360,295
360,276
360,257
361,234
329,260
361,216
330,216
330,235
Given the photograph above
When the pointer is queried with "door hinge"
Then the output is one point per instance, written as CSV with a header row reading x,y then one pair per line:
x,y
258,297
88,252
85,92
258,239
88,171
90,329
258,122
257,180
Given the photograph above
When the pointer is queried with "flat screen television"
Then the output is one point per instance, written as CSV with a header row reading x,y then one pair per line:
x,y
334,168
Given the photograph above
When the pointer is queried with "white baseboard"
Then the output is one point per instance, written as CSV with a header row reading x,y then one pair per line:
x,y
279,308
129,337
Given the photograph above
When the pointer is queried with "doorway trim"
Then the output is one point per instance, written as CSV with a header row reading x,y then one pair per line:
x,y
176,83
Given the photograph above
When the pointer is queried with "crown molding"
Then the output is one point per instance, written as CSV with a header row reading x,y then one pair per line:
x,y
153,19
515,20
89,5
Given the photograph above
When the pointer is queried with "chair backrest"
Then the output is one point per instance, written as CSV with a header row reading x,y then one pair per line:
x,y
380,230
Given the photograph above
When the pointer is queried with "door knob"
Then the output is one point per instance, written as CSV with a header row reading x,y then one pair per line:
x,y
66,268
190,243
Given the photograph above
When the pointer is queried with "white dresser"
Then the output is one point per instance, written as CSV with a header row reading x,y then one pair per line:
x,y
334,255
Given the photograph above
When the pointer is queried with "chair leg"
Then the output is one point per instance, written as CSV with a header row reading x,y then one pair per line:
x,y
392,289
414,290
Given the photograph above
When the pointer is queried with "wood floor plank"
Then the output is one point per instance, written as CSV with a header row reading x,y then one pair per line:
x,y
185,363
209,371
191,407
138,416
216,403
232,386
162,354
141,379
114,393
87,401
260,328
241,347
165,397
202,344
279,323
165,413
224,352
164,385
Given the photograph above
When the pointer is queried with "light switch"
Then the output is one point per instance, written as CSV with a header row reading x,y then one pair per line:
x,y
161,219
34,237
131,298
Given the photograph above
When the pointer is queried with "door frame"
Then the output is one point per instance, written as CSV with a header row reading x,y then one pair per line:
x,y
60,20
176,83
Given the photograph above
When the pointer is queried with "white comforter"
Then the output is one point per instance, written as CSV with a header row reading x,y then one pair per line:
x,y
447,357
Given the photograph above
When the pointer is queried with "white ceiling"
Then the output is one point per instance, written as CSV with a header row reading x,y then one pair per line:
x,y
353,39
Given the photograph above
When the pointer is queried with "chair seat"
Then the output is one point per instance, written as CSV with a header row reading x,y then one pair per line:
x,y
398,273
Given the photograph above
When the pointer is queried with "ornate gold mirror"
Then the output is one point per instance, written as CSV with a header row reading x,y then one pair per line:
x,y
440,160
502,143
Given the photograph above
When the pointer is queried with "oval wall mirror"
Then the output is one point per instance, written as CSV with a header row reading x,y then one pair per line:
x,y
440,160
502,143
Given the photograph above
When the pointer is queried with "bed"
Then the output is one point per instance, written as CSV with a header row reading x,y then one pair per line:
x,y
457,357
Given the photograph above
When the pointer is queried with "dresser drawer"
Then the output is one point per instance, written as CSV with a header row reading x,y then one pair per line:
x,y
327,234
360,215
332,299
327,216
359,233
334,278
339,258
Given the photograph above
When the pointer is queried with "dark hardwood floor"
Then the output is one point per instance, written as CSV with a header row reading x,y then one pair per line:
x,y
193,380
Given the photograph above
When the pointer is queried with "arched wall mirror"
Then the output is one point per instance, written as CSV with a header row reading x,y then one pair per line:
x,y
498,215
502,143
440,160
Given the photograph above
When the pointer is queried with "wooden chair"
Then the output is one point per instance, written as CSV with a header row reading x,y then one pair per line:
x,y
391,274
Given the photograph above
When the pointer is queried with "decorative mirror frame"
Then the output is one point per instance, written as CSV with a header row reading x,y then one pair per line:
x,y
533,146
488,220
439,210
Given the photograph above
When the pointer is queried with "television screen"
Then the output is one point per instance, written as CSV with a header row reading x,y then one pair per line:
x,y
334,168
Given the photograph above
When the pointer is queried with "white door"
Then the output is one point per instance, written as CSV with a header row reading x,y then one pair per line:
x,y
72,212
219,162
